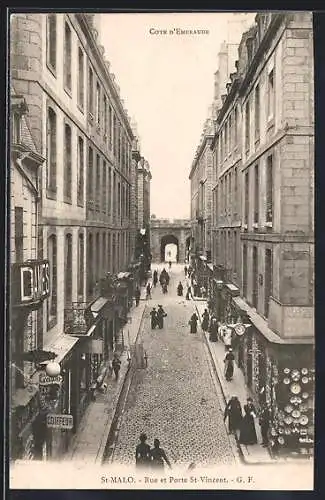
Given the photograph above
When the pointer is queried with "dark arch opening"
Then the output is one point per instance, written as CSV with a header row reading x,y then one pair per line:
x,y
165,240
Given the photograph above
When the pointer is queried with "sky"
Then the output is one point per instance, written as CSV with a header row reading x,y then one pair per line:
x,y
167,84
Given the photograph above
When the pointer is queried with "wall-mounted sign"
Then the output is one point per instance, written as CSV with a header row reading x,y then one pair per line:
x,y
59,421
239,329
30,282
47,380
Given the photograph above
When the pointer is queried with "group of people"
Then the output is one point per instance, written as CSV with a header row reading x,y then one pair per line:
x,y
244,424
146,457
157,317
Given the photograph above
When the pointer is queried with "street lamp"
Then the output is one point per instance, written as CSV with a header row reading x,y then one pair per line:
x,y
53,369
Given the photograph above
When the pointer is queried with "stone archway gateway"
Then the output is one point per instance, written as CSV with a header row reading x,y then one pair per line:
x,y
165,231
165,241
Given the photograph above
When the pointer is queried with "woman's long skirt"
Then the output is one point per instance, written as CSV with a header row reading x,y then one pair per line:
x,y
248,432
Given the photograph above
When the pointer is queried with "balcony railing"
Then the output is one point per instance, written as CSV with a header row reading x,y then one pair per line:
x,y
75,319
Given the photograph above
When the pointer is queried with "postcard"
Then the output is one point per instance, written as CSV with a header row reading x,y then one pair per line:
x,y
161,247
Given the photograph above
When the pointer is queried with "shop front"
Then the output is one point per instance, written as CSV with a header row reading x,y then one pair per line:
x,y
279,372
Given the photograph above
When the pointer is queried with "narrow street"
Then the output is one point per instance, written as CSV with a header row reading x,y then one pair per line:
x,y
175,398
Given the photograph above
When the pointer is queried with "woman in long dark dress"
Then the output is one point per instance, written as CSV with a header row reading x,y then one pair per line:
x,y
158,456
155,278
180,289
213,329
188,293
154,319
193,323
247,431
234,413
229,365
205,320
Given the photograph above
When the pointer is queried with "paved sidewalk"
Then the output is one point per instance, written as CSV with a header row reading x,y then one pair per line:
x,y
251,454
88,445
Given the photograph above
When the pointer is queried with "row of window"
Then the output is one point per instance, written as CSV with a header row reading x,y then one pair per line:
x,y
100,176
252,203
100,109
229,135
105,251
257,279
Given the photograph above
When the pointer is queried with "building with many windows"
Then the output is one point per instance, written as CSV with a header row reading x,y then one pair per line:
x,y
85,225
263,243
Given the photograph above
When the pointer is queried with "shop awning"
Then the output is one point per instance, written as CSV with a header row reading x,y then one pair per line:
x,y
262,326
203,258
234,290
121,276
98,305
61,345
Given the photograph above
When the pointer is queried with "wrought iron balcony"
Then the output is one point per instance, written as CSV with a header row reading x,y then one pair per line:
x,y
75,321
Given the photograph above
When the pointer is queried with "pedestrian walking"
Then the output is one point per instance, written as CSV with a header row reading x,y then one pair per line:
x,y
142,452
155,278
158,456
160,316
148,290
154,319
167,278
205,320
180,289
193,323
170,265
213,329
137,295
116,365
188,293
247,430
264,421
227,338
234,413
229,365
164,288
185,271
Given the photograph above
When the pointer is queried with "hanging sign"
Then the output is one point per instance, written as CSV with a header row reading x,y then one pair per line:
x,y
31,282
240,329
59,421
48,380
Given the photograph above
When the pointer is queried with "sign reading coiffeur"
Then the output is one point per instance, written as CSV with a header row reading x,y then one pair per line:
x,y
59,421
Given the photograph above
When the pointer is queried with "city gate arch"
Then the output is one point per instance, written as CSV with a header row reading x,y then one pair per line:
x,y
165,231
167,240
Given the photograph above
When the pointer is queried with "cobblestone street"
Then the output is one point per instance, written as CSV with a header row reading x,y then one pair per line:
x,y
175,398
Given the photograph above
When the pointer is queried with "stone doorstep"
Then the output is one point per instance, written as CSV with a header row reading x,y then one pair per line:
x,y
244,451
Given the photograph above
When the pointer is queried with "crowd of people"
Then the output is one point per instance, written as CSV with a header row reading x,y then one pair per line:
x,y
241,421
242,424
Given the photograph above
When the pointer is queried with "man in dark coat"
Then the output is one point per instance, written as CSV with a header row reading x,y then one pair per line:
x,y
142,453
234,413
193,323
116,365
160,316
154,319
137,295
264,421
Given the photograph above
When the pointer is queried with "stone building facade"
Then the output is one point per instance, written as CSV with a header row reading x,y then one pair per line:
x,y
27,295
273,92
86,228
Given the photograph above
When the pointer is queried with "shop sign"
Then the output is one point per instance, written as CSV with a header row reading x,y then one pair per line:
x,y
59,421
47,380
305,440
95,346
240,329
31,281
